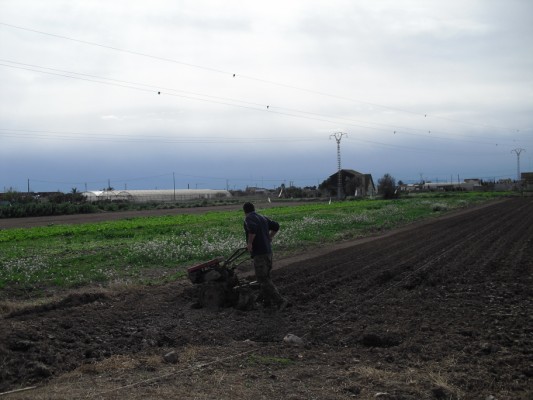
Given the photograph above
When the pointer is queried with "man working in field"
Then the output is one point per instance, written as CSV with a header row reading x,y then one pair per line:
x,y
259,233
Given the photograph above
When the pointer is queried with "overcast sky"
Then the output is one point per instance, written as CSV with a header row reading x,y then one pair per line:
x,y
217,94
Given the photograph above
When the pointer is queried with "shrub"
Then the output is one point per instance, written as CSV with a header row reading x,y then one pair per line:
x,y
439,207
387,187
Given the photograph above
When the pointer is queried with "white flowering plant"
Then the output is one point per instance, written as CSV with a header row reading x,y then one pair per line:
x,y
129,250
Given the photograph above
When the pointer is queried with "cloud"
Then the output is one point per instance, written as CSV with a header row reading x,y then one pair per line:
x,y
110,118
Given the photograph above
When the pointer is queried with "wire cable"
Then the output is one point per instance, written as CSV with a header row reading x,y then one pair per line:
x,y
284,111
229,101
235,75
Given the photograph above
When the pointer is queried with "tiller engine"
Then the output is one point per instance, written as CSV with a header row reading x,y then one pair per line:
x,y
217,284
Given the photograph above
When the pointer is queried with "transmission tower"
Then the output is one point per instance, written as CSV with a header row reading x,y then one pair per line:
x,y
517,151
338,136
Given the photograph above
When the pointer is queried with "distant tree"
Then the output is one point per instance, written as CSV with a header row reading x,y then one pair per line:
x,y
11,195
294,192
75,196
387,187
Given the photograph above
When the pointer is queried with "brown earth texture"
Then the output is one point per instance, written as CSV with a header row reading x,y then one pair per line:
x,y
442,310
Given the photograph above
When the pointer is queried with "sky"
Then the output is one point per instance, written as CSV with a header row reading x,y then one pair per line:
x,y
224,95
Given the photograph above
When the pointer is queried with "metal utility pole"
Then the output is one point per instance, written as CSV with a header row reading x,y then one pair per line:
x,y
518,151
174,181
338,136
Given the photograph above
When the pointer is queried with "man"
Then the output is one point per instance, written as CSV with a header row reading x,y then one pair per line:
x,y
259,233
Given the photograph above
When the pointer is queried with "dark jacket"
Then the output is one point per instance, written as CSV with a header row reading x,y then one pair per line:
x,y
261,227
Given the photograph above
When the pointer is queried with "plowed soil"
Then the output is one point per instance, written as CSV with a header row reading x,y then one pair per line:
x,y
439,311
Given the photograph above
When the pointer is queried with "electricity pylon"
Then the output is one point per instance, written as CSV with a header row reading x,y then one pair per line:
x,y
517,151
338,136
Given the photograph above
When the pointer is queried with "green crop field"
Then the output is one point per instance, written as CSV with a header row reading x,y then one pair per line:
x,y
152,250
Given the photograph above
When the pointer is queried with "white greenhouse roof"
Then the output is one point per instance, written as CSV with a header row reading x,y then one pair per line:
x,y
156,195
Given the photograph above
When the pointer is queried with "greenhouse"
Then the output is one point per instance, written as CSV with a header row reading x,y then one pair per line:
x,y
155,196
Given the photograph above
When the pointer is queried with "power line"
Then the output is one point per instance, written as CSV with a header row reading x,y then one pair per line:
x,y
153,89
176,95
137,53
235,75
169,174
227,101
39,134
109,137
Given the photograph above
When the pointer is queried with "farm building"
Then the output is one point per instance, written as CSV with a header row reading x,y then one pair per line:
x,y
155,196
527,180
527,177
353,184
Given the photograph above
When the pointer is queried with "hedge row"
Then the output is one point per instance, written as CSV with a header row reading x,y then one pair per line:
x,y
44,209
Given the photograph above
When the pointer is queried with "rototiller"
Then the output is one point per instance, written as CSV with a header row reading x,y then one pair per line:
x,y
217,284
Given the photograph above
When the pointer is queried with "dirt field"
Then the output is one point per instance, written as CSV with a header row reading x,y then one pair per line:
x,y
440,311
